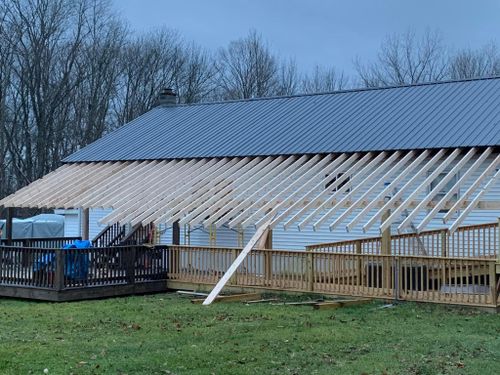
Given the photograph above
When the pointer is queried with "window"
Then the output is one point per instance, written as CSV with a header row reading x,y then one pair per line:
x,y
344,182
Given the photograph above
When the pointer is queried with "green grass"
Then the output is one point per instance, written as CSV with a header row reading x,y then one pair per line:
x,y
166,334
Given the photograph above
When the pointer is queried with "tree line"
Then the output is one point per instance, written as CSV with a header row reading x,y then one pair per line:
x,y
72,70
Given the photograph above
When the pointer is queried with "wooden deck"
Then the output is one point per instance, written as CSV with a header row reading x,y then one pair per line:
x,y
430,267
64,275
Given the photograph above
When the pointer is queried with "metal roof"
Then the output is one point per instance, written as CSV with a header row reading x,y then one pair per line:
x,y
425,116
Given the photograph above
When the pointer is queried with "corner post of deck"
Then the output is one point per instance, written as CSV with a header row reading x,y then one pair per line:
x,y
175,251
386,251
176,233
85,223
59,270
8,225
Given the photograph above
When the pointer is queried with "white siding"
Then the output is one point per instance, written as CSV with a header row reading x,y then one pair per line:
x,y
95,215
71,222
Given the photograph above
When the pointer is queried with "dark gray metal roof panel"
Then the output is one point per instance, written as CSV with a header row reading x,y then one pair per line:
x,y
436,115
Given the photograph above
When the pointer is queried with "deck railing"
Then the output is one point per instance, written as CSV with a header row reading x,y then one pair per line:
x,y
61,269
474,241
110,236
455,280
45,243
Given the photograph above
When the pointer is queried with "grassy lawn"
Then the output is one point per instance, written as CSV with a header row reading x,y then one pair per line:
x,y
166,334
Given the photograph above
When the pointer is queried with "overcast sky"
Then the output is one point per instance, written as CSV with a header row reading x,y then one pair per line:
x,y
325,32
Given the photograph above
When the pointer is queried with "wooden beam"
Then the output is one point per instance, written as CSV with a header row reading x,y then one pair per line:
x,y
412,168
475,201
265,192
78,184
301,194
126,205
231,298
475,185
396,214
8,225
364,201
201,189
461,181
228,198
27,190
86,200
370,182
200,181
128,208
354,185
232,269
339,180
341,303
215,197
244,199
279,192
440,185
51,185
124,191
313,194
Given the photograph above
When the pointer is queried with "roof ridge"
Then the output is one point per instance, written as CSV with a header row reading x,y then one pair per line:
x,y
359,89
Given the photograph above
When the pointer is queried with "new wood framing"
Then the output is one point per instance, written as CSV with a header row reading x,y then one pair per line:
x,y
304,190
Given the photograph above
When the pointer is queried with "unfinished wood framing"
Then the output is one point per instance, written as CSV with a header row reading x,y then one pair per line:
x,y
306,190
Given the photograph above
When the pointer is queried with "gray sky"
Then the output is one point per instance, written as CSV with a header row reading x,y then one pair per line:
x,y
325,32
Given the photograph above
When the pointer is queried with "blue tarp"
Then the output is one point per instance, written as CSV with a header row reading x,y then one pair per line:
x,y
76,265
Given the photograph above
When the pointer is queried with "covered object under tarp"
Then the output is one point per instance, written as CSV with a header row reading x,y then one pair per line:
x,y
39,226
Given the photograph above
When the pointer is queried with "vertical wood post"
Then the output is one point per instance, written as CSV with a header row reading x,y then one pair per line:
x,y
234,279
310,271
85,224
176,240
59,271
359,264
176,233
386,250
8,225
268,244
444,253
493,284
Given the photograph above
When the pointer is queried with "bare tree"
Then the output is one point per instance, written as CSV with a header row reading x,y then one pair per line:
x,y
287,78
406,59
323,80
195,82
470,63
247,69
149,63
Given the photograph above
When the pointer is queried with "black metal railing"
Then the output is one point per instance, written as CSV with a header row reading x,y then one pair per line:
x,y
60,269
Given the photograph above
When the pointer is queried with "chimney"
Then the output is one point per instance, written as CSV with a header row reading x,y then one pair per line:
x,y
167,97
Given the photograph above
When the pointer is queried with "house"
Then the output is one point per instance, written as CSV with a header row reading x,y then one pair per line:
x,y
359,178
320,167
